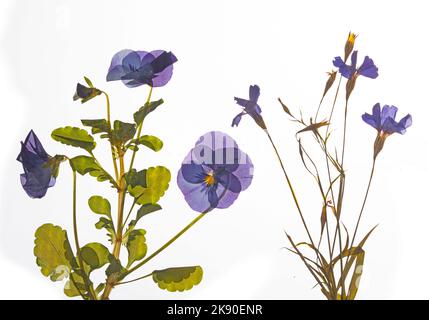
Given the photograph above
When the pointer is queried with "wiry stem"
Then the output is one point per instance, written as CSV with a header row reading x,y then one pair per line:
x,y
291,188
88,286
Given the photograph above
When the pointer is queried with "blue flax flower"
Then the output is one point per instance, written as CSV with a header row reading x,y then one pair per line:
x,y
384,122
40,169
250,107
136,68
214,172
367,69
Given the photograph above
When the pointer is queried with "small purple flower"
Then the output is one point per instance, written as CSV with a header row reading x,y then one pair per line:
x,y
84,93
384,120
40,169
251,107
136,68
367,69
214,172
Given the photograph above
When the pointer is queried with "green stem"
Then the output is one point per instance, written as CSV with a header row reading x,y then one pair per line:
x,y
112,148
166,245
136,279
364,203
76,240
139,131
291,188
129,212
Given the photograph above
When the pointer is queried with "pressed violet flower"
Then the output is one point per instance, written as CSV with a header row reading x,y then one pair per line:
x,y
136,68
40,169
84,93
367,69
251,107
214,172
384,122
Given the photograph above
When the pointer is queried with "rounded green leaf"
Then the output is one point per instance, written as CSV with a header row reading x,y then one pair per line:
x,y
52,251
178,279
136,246
75,287
75,137
151,142
99,205
95,255
157,182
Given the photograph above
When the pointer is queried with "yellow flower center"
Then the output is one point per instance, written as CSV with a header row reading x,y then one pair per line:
x,y
209,179
352,38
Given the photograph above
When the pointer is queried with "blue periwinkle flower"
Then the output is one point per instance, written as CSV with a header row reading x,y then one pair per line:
x,y
383,120
250,107
367,69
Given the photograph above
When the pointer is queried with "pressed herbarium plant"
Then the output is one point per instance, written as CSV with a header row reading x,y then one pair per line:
x,y
212,176
333,257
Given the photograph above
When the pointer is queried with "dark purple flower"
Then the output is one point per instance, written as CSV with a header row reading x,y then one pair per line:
x,y
84,93
250,107
40,169
384,120
214,172
367,69
136,68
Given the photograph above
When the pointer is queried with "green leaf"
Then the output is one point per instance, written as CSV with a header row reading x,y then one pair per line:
x,y
136,178
100,288
122,132
115,268
52,251
136,246
85,164
157,182
145,110
99,205
105,223
178,279
75,286
95,255
88,82
75,137
151,142
357,273
314,126
97,125
144,210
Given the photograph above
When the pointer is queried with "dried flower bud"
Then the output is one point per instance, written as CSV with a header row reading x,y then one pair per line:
x,y
350,85
329,82
348,48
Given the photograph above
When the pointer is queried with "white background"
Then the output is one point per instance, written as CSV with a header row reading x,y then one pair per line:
x,y
223,46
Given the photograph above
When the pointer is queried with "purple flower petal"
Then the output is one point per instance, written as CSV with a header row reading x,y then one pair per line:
x,y
368,68
345,70
254,92
406,122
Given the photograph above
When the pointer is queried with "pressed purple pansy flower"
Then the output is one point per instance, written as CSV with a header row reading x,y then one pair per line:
x,y
214,172
136,68
40,169
250,107
383,120
367,69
